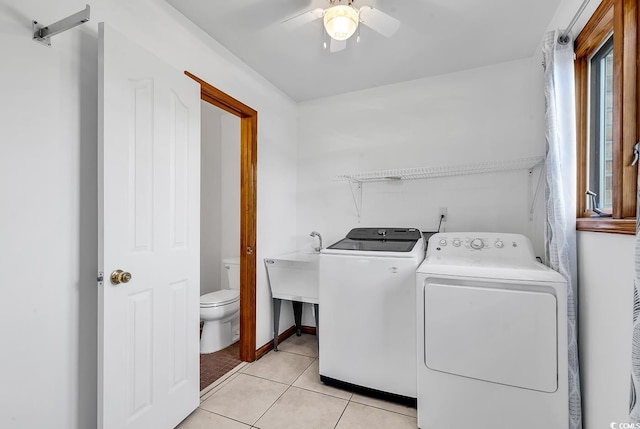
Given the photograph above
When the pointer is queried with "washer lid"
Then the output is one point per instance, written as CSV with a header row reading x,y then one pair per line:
x,y
379,240
218,298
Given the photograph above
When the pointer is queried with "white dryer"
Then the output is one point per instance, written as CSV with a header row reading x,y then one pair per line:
x,y
367,312
492,335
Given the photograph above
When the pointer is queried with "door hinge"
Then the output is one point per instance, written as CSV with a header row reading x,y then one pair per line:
x,y
100,278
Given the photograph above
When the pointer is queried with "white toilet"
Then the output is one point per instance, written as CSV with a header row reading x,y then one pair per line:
x,y
220,312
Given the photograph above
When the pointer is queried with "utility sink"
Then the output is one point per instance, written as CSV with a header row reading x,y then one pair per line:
x,y
294,276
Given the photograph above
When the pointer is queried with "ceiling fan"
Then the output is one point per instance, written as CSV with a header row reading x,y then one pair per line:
x,y
342,19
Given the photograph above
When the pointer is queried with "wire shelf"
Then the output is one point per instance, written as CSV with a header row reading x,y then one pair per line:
x,y
444,171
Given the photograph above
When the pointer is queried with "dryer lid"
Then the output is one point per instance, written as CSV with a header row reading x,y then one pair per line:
x,y
218,298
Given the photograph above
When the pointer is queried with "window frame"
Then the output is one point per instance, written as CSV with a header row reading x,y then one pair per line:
x,y
619,17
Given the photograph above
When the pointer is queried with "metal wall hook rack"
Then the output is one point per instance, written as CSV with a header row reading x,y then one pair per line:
x,y
43,34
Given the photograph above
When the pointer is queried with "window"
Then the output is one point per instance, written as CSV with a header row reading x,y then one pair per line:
x,y
600,149
606,107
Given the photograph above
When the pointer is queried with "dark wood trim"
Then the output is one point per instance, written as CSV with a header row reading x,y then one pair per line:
x,y
596,31
213,95
311,330
618,50
248,209
248,234
581,67
616,226
266,348
592,36
621,18
628,117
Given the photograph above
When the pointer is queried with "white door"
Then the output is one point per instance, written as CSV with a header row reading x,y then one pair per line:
x,y
148,197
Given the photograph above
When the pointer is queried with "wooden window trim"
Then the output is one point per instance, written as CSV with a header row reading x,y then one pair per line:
x,y
616,226
621,17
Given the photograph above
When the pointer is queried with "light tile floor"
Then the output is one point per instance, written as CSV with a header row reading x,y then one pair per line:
x,y
283,391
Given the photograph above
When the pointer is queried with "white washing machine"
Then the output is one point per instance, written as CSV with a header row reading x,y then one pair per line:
x,y
367,311
492,335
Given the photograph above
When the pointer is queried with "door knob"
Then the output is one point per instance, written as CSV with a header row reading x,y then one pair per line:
x,y
119,276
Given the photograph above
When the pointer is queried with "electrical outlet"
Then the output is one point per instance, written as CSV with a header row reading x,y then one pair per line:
x,y
443,213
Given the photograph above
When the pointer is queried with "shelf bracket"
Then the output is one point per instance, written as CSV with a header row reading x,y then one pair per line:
x,y
533,198
357,196
43,34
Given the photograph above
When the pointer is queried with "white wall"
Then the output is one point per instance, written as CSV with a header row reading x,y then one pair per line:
x,y
605,272
483,114
605,294
211,210
220,196
230,192
48,186
477,115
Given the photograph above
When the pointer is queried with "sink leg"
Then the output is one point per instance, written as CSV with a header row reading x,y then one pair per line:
x,y
276,322
315,312
297,314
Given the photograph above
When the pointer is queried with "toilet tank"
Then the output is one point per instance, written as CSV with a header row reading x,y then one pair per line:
x,y
232,265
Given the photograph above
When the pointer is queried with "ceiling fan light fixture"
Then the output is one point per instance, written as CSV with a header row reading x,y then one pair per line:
x,y
341,21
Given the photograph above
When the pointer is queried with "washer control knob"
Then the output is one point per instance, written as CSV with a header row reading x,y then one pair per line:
x,y
477,244
456,242
499,244
382,232
443,242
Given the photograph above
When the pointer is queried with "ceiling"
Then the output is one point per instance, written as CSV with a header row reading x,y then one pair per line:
x,y
435,37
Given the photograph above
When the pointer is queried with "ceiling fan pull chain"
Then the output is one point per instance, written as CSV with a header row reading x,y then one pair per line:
x,y
324,37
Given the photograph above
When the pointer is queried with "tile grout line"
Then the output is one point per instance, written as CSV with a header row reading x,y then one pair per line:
x,y
221,380
310,390
342,414
289,386
322,393
227,417
271,406
303,371
239,371
266,379
292,352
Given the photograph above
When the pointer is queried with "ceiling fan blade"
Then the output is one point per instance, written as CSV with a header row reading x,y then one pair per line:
x,y
303,18
379,21
337,45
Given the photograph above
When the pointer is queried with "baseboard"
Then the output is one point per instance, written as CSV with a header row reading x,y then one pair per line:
x,y
311,330
261,351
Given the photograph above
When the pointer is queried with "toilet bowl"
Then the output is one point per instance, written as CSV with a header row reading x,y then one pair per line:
x,y
220,312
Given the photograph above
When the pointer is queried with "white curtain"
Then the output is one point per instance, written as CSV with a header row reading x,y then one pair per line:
x,y
634,406
560,226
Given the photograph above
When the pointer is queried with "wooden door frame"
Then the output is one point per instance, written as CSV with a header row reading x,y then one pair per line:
x,y
248,209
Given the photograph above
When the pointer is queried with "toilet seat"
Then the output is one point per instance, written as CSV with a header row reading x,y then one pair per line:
x,y
219,298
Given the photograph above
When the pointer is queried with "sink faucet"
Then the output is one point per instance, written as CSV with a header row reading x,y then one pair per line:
x,y
317,234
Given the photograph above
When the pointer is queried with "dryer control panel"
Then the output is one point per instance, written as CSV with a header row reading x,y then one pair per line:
x,y
464,245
